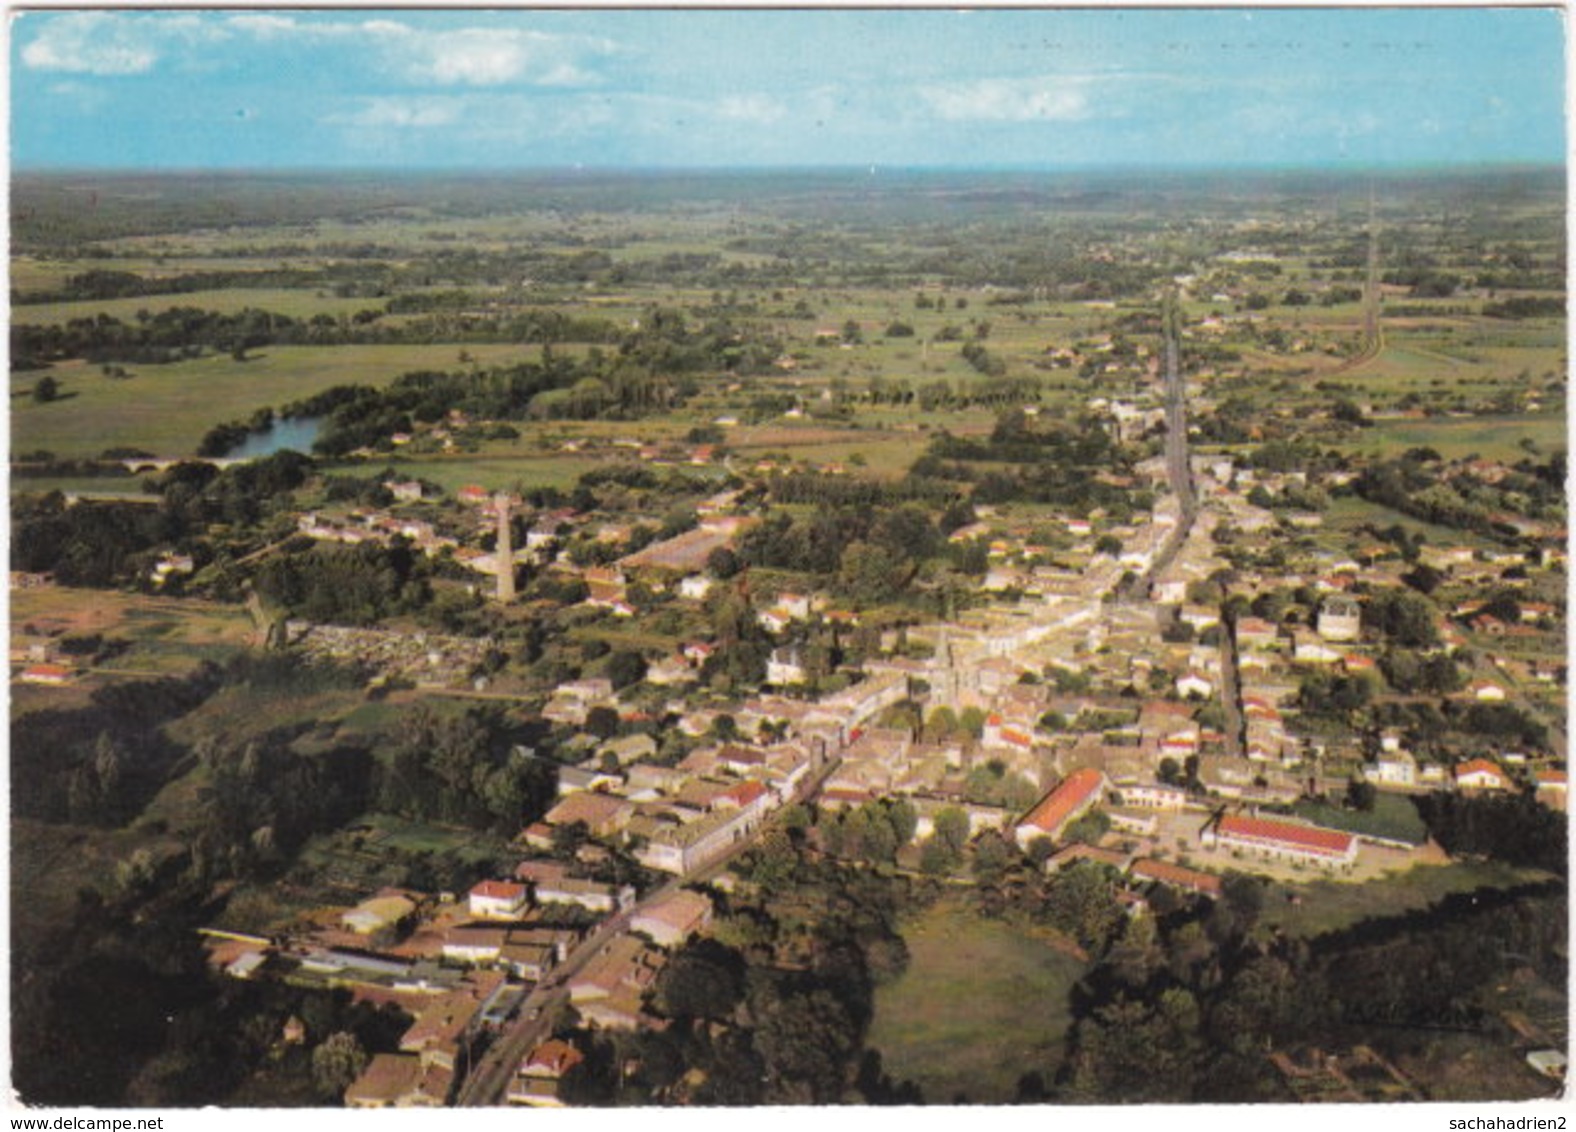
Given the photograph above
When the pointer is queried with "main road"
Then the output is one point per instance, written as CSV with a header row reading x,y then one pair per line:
x,y
1179,470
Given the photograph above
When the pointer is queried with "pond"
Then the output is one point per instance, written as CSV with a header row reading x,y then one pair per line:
x,y
287,432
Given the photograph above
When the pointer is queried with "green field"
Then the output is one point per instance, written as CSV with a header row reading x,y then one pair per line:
x,y
1492,438
981,1005
1393,816
496,472
1327,906
292,302
167,409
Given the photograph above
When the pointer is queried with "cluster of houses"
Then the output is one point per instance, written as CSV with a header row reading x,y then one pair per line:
x,y
462,968
679,819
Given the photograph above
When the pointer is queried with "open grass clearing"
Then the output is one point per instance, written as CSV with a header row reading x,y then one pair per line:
x,y
43,611
1492,438
1347,513
495,473
1326,906
167,409
239,713
981,1004
1393,817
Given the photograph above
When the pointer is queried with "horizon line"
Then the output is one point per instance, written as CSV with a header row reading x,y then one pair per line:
x,y
868,169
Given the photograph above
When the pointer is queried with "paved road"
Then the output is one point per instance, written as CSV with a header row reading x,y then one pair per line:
x,y
1179,469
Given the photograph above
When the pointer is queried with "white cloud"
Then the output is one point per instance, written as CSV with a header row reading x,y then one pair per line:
x,y
465,56
752,108
399,113
91,43
1010,100
496,56
265,25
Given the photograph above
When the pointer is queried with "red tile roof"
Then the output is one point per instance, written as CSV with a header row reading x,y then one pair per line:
x,y
552,1058
46,672
1551,778
1056,807
746,792
1309,837
1478,766
499,890
1167,873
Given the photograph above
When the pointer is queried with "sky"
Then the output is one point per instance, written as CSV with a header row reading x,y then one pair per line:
x,y
1022,89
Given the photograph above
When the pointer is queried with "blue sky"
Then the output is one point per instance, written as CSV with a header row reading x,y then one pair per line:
x,y
983,88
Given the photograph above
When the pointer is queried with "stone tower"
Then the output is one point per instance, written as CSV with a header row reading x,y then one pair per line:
x,y
503,555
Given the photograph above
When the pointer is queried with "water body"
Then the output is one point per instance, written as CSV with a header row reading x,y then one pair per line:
x,y
288,432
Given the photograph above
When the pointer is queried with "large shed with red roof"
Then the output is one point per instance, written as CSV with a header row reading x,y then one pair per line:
x,y
1073,797
1283,840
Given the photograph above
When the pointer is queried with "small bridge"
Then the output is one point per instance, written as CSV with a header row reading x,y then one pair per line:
x,y
164,464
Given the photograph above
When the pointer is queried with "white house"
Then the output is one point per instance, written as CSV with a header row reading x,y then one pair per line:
x,y
1486,691
1309,649
673,919
786,666
1393,768
695,587
1480,774
498,900
1340,619
474,944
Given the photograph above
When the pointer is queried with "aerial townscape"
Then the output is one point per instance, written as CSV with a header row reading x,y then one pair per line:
x,y
781,636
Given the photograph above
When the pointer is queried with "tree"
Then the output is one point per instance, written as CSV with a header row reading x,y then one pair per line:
x,y
626,667
1089,828
1040,850
602,721
972,721
567,839
806,1042
722,563
993,856
1081,901
1360,794
903,818
869,574
337,1062
704,980
46,389
951,831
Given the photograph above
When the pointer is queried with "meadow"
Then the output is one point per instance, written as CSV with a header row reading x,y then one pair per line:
x,y
981,1005
1317,907
166,409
